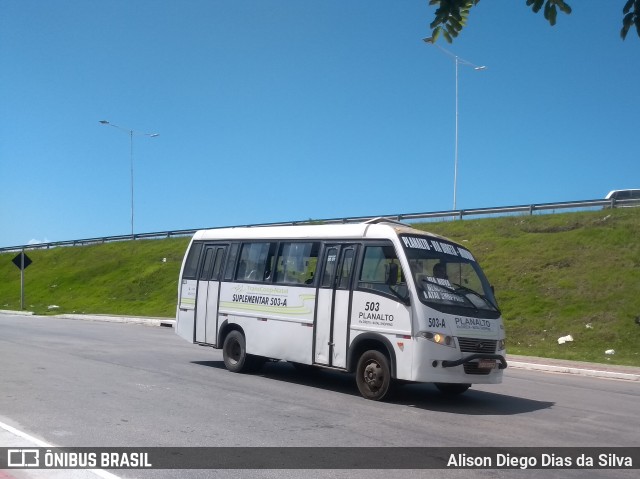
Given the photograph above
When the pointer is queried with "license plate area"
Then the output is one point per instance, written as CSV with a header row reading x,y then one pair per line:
x,y
487,364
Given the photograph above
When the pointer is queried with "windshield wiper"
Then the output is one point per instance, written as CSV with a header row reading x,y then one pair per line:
x,y
475,293
452,290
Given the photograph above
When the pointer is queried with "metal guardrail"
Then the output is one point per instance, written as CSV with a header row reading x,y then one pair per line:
x,y
453,214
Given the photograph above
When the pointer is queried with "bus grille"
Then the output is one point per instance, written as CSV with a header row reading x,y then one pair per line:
x,y
472,368
473,345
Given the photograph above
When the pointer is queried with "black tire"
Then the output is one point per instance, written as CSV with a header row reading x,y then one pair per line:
x,y
234,352
451,389
373,376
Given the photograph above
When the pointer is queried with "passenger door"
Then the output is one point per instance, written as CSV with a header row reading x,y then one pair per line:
x,y
208,292
334,298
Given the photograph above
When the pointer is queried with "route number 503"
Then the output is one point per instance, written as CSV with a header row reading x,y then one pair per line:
x,y
372,306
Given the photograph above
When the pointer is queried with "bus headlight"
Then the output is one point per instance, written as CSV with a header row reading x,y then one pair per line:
x,y
501,344
438,338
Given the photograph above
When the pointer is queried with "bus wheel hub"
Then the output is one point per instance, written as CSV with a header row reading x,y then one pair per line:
x,y
372,375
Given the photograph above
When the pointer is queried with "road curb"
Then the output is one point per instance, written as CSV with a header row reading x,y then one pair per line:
x,y
149,321
18,313
110,318
596,373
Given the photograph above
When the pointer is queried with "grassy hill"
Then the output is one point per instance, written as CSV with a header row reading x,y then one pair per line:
x,y
129,277
572,274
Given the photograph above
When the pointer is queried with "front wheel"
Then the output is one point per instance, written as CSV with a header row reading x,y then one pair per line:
x,y
452,389
373,375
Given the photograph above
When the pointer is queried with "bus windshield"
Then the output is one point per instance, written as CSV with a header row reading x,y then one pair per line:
x,y
448,278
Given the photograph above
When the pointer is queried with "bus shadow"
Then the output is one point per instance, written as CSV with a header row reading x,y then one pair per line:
x,y
473,402
417,395
211,364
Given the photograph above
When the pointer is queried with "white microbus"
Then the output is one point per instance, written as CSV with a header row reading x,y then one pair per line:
x,y
380,299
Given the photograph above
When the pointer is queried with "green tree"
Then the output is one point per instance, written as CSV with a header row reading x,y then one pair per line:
x,y
451,15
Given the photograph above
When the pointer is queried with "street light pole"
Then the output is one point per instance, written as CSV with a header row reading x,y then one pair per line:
x,y
458,61
131,133
455,162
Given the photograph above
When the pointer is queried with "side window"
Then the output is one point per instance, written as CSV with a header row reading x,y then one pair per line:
x,y
205,272
191,266
378,264
346,268
330,268
217,264
256,262
231,261
297,263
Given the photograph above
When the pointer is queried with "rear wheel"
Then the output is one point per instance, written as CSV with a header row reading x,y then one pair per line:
x,y
451,389
373,375
234,353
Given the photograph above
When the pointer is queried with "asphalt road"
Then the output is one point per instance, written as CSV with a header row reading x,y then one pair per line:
x,y
86,383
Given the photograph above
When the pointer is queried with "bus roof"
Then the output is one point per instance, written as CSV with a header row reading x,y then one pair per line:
x,y
626,194
375,229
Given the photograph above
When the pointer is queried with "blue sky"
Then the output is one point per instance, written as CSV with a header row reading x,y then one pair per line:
x,y
280,110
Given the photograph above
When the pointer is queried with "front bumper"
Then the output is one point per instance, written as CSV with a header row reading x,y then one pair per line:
x,y
502,361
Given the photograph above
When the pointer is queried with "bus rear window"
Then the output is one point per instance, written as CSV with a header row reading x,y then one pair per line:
x,y
191,265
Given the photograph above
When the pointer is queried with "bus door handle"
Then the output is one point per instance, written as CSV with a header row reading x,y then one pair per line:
x,y
331,344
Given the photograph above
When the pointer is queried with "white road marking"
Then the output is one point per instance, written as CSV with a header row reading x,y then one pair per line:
x,y
16,432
